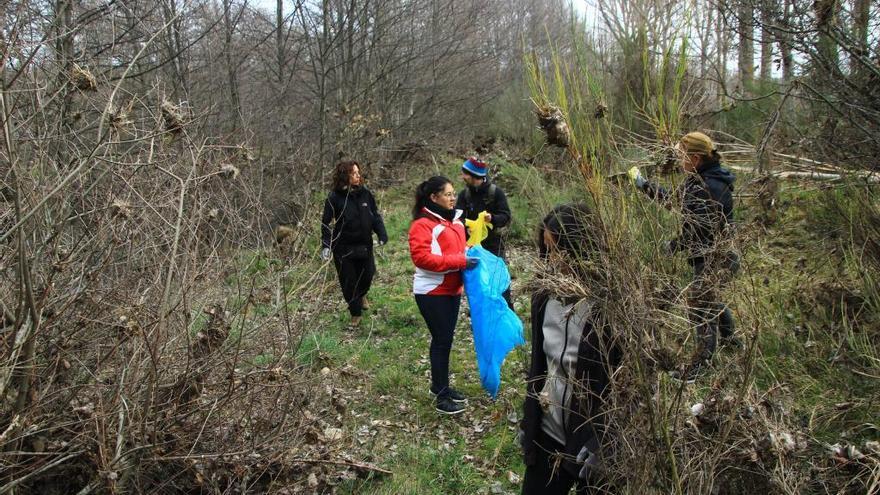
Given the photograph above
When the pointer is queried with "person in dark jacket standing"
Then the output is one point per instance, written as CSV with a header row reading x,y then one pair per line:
x,y
573,357
347,225
481,194
707,224
437,248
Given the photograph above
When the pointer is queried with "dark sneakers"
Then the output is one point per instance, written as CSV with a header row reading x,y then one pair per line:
x,y
449,402
453,395
733,342
445,405
690,374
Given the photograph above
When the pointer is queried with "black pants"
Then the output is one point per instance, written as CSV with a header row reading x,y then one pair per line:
x,y
545,477
355,278
498,250
706,312
440,314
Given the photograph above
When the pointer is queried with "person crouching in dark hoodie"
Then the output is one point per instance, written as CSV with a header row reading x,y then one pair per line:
x,y
350,209
573,356
707,226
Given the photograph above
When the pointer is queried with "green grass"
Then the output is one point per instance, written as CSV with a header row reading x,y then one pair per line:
x,y
807,342
449,474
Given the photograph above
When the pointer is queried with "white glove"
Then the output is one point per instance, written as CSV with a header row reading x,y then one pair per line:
x,y
589,460
636,176
325,254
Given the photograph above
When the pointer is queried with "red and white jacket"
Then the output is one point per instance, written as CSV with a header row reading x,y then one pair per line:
x,y
437,248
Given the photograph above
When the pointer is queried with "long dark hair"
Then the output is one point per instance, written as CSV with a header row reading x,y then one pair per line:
x,y
342,174
423,193
569,224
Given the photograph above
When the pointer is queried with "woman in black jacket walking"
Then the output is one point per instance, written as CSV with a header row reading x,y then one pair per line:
x,y
347,225
706,197
573,356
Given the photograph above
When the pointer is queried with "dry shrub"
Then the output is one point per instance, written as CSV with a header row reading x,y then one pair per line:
x,y
725,435
552,122
133,361
82,79
120,116
172,116
766,190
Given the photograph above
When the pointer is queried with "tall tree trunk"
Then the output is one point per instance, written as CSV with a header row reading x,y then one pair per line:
x,y
861,19
174,46
785,43
704,27
721,40
64,55
767,7
231,71
279,40
745,30
826,21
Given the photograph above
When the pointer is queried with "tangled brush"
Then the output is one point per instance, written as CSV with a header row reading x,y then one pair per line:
x,y
172,116
82,79
552,122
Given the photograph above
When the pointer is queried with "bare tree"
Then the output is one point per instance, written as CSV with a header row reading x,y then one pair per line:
x,y
746,53
785,42
767,40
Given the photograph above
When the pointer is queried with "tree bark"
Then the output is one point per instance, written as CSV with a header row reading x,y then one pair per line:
x,y
64,54
231,69
746,58
826,20
861,19
279,40
722,42
785,43
767,39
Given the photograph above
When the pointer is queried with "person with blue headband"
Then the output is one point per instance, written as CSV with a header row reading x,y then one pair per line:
x,y
481,194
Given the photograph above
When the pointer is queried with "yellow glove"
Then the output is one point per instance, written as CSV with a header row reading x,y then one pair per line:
x,y
479,229
636,176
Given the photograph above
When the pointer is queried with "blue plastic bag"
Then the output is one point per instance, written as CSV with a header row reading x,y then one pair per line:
x,y
497,329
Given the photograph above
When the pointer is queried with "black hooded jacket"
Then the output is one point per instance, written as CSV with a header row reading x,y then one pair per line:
x,y
473,200
353,215
706,207
598,355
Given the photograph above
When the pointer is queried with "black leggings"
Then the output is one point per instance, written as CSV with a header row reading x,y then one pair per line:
x,y
355,278
441,314
545,477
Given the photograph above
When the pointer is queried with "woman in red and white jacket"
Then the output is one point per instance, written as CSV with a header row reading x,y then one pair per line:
x,y
437,247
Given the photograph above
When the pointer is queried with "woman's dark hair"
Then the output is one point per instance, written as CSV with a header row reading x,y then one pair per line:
x,y
569,224
423,193
342,174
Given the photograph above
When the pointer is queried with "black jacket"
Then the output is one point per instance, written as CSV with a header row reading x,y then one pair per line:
x,y
597,355
707,210
354,217
476,200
